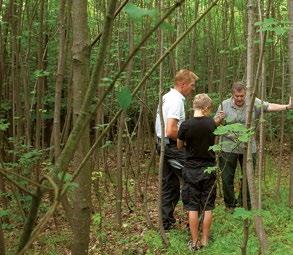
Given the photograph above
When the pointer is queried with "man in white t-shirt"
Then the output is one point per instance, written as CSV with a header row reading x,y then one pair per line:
x,y
173,115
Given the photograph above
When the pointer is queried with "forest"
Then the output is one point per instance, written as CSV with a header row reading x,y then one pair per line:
x,y
80,83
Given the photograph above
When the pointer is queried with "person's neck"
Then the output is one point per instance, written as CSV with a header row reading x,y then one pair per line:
x,y
198,113
179,89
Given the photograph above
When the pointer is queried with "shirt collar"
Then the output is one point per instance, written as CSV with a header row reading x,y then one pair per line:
x,y
175,91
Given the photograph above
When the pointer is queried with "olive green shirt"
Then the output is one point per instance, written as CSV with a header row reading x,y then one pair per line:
x,y
236,114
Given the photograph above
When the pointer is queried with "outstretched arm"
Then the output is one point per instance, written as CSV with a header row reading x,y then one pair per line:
x,y
280,107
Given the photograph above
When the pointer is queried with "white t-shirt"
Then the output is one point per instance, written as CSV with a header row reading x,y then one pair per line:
x,y
173,108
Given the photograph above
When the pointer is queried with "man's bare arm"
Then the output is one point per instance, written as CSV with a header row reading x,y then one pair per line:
x,y
180,144
172,128
280,107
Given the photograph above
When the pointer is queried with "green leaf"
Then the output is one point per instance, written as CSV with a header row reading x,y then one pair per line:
x,y
3,125
211,169
107,144
67,177
244,137
4,213
71,186
280,31
101,126
216,147
124,98
235,127
136,13
97,219
41,73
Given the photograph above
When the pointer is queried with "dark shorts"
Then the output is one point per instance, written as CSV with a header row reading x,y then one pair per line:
x,y
199,189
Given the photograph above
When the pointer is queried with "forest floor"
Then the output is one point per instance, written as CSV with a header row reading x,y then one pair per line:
x,y
136,238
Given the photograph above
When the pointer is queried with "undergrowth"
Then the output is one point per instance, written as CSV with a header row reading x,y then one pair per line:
x,y
135,238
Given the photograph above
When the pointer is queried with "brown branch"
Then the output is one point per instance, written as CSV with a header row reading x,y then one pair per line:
x,y
16,184
25,178
115,15
35,233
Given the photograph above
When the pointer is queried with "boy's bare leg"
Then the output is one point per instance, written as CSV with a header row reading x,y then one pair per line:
x,y
193,225
206,226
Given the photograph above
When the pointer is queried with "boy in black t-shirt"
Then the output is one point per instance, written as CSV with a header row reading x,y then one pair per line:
x,y
199,189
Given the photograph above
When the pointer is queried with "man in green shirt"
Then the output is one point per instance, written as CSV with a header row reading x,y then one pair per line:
x,y
235,109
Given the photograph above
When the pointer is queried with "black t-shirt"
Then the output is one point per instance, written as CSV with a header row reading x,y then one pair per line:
x,y
197,133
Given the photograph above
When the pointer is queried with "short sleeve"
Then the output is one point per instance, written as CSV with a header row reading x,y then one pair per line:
x,y
174,110
182,131
257,105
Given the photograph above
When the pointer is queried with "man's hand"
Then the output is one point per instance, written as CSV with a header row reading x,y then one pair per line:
x,y
290,105
219,117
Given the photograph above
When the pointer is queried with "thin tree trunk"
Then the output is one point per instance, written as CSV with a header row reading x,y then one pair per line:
x,y
262,82
2,241
290,44
282,127
193,46
245,205
162,152
119,187
81,197
223,61
59,80
41,79
25,74
250,99
16,12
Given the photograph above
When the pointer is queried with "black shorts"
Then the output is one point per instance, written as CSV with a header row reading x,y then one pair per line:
x,y
199,189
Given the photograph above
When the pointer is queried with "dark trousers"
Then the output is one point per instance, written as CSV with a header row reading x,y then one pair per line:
x,y
228,164
171,183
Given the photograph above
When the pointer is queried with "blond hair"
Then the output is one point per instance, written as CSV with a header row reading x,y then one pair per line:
x,y
202,101
185,76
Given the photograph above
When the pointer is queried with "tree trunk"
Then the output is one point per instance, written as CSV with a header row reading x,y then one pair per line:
x,y
16,12
162,152
41,79
119,186
81,196
2,241
262,84
250,99
290,45
59,79
282,127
